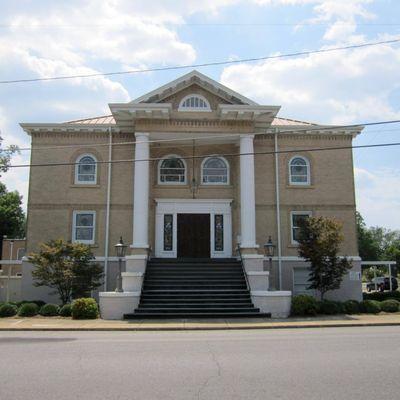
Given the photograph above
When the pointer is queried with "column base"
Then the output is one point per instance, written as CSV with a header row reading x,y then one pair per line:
x,y
253,262
136,263
277,303
114,305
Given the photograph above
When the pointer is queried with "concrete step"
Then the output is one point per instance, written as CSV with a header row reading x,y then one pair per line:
x,y
185,315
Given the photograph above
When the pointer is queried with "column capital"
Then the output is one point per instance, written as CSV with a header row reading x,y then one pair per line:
x,y
247,136
142,134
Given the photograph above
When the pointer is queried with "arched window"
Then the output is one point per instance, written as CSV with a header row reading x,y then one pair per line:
x,y
86,170
194,102
299,171
172,170
215,171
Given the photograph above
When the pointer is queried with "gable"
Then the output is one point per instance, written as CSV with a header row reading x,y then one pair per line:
x,y
224,94
176,98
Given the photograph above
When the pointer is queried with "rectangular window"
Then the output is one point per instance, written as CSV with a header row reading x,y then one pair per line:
x,y
296,217
168,232
84,223
218,232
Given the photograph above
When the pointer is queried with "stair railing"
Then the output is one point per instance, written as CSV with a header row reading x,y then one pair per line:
x,y
243,268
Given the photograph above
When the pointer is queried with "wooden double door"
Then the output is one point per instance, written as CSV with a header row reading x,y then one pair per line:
x,y
193,234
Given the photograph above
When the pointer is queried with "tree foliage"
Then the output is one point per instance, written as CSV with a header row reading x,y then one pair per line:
x,y
377,243
66,267
319,243
5,156
12,217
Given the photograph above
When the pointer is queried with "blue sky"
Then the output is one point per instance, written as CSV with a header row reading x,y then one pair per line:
x,y
47,38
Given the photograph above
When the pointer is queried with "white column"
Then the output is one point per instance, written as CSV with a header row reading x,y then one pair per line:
x,y
247,192
141,192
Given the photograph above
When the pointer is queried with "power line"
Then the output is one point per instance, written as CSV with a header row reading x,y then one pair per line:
x,y
230,135
132,160
203,24
215,63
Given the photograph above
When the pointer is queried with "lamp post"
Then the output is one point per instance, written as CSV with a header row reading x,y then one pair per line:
x,y
120,249
269,250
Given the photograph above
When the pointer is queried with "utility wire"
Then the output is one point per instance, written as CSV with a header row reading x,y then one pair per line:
x,y
309,128
201,24
215,63
133,160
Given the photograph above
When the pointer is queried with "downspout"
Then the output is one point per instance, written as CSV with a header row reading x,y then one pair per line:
x,y
107,232
278,211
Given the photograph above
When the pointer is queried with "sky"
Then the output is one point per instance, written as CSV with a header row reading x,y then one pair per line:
x,y
44,38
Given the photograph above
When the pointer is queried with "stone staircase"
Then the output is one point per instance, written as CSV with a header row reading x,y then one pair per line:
x,y
195,288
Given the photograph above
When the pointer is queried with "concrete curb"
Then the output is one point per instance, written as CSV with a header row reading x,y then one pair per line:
x,y
200,328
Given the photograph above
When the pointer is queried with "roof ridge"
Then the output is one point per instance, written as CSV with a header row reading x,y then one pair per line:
x,y
295,120
87,119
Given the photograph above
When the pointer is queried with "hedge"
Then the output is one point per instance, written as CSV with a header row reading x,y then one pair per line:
x,y
66,310
370,307
390,306
28,310
351,307
49,310
304,304
85,308
382,296
8,310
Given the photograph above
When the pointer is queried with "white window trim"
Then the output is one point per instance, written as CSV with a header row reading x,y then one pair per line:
x,y
171,183
307,161
197,109
228,171
77,181
292,213
74,214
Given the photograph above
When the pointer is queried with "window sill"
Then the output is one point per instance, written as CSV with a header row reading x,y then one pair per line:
x,y
216,185
86,186
300,187
171,185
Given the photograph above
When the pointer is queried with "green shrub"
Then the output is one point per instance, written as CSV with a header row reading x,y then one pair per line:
x,y
390,306
8,310
382,296
28,310
49,310
304,304
351,307
370,307
66,310
39,303
85,308
329,307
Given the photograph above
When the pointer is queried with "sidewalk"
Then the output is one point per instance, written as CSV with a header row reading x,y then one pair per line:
x,y
67,324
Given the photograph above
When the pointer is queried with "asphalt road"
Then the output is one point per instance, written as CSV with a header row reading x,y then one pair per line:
x,y
330,363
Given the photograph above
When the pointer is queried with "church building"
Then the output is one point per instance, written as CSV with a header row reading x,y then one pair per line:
x,y
192,175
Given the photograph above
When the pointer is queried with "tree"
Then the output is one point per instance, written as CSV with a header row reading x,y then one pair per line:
x,y
12,217
319,243
5,156
369,247
66,267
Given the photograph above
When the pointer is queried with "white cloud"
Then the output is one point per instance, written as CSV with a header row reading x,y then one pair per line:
x,y
338,87
378,196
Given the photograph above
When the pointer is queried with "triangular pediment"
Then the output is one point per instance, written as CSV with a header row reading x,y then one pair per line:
x,y
198,83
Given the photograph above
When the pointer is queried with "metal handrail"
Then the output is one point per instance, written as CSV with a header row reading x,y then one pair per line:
x,y
242,264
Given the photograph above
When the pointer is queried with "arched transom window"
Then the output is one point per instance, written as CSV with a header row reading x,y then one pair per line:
x,y
194,102
299,171
86,170
172,170
215,171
